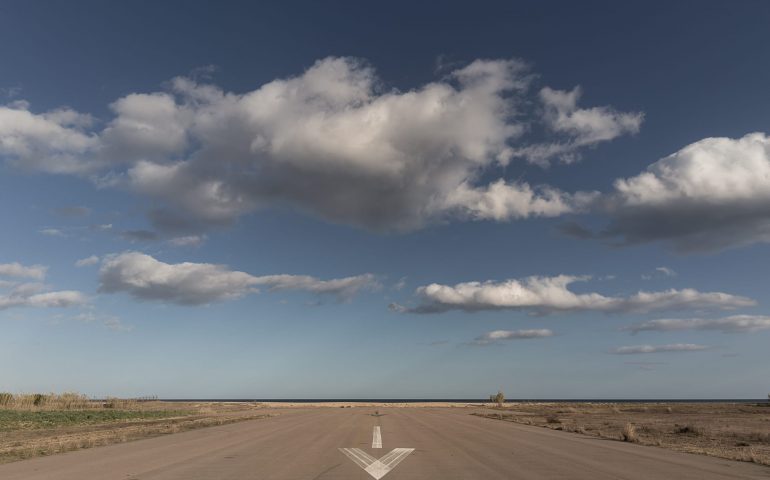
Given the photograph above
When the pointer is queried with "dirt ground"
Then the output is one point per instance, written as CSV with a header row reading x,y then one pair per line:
x,y
736,431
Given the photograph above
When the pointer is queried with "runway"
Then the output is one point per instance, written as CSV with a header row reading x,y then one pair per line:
x,y
410,443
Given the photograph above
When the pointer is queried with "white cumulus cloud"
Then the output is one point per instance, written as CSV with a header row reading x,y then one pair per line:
x,y
33,295
146,278
16,269
551,294
53,142
332,141
710,195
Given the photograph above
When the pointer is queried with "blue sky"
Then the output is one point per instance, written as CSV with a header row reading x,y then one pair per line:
x,y
334,199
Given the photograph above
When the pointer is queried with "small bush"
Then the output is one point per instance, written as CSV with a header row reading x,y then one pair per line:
x,y
629,434
552,419
687,430
498,398
759,437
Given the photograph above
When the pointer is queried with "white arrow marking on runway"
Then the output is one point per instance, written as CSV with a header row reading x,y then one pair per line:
x,y
376,438
374,467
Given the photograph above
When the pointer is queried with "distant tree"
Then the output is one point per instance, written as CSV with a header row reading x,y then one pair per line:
x,y
498,398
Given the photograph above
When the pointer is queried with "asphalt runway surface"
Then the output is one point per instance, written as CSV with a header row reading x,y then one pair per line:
x,y
352,443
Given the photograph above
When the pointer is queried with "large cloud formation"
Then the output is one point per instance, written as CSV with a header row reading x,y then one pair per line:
x,y
710,195
146,278
551,294
332,142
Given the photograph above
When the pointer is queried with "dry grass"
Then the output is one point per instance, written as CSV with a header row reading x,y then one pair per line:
x,y
36,424
43,401
629,433
726,430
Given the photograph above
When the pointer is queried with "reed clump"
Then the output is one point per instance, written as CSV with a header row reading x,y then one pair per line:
x,y
46,401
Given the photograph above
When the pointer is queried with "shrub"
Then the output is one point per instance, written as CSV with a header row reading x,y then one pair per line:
x,y
687,430
552,419
498,398
629,433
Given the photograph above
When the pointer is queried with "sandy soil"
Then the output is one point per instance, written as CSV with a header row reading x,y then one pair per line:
x,y
734,431
370,405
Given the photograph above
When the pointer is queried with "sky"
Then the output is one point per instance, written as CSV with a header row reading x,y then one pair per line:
x,y
392,200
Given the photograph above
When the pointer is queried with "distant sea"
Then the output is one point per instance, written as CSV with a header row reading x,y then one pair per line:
x,y
474,400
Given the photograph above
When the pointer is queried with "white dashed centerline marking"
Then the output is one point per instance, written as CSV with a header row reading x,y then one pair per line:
x,y
376,438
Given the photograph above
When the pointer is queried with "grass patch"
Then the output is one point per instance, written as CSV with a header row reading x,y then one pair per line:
x,y
33,420
35,424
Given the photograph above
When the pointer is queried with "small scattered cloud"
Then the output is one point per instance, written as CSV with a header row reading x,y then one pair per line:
x,y
500,336
668,272
16,269
10,92
645,349
111,322
648,366
400,284
204,72
52,232
342,288
72,211
551,294
659,272
87,262
731,324
85,317
188,241
146,278
579,127
32,295
116,325
140,235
